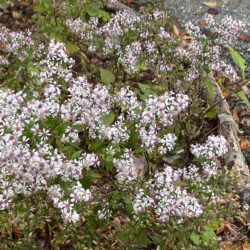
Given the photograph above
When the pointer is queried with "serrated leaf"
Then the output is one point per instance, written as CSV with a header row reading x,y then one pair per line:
x,y
238,60
107,76
195,238
109,119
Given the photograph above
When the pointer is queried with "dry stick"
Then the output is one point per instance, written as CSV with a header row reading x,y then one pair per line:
x,y
116,5
229,129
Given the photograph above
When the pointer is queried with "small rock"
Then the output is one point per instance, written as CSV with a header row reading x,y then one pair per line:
x,y
245,197
247,156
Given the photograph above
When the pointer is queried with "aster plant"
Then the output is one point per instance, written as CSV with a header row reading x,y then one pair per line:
x,y
98,136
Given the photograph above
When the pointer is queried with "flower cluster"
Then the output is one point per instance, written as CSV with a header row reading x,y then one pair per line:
x,y
78,194
15,43
225,31
56,65
29,157
228,29
166,198
108,38
45,135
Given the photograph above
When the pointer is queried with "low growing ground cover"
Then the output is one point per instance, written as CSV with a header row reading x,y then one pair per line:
x,y
108,130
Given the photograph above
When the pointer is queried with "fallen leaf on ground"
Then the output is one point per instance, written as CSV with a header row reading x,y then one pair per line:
x,y
202,22
235,115
187,37
231,246
246,246
210,4
226,226
244,37
2,46
16,15
225,93
245,144
16,232
117,220
176,30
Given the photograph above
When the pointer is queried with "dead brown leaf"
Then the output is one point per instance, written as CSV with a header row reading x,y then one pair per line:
x,y
117,220
202,22
187,37
210,4
231,246
246,246
2,46
16,14
244,37
225,93
226,226
16,232
245,144
235,115
176,30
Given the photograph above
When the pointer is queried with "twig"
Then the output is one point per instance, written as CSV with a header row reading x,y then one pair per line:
x,y
116,5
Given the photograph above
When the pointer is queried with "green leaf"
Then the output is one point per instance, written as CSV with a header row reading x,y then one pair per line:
x,y
109,118
92,11
158,238
93,175
86,182
206,68
140,66
210,88
72,48
128,205
145,88
241,94
96,146
142,237
76,154
107,76
195,238
238,60
211,113
208,235
32,69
